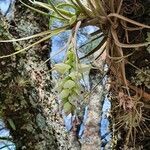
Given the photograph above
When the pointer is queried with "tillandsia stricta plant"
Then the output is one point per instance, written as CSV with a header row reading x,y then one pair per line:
x,y
114,22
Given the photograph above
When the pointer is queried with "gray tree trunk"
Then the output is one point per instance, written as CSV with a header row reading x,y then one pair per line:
x,y
26,101
91,138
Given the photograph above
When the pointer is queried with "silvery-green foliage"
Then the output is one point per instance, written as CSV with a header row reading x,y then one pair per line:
x,y
68,86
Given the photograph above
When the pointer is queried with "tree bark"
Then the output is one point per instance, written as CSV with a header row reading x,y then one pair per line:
x,y
91,139
25,91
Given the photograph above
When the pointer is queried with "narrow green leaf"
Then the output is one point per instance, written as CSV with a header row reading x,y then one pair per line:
x,y
95,49
53,32
90,41
11,123
37,10
62,5
27,38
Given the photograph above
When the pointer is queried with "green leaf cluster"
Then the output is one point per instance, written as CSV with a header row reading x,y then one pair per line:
x,y
68,86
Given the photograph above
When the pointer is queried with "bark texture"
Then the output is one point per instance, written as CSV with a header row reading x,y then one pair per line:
x,y
91,139
25,91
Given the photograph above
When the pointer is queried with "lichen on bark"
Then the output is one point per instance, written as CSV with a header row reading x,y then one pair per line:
x,y
25,85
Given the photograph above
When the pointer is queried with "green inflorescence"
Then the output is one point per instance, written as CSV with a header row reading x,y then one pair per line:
x,y
69,87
